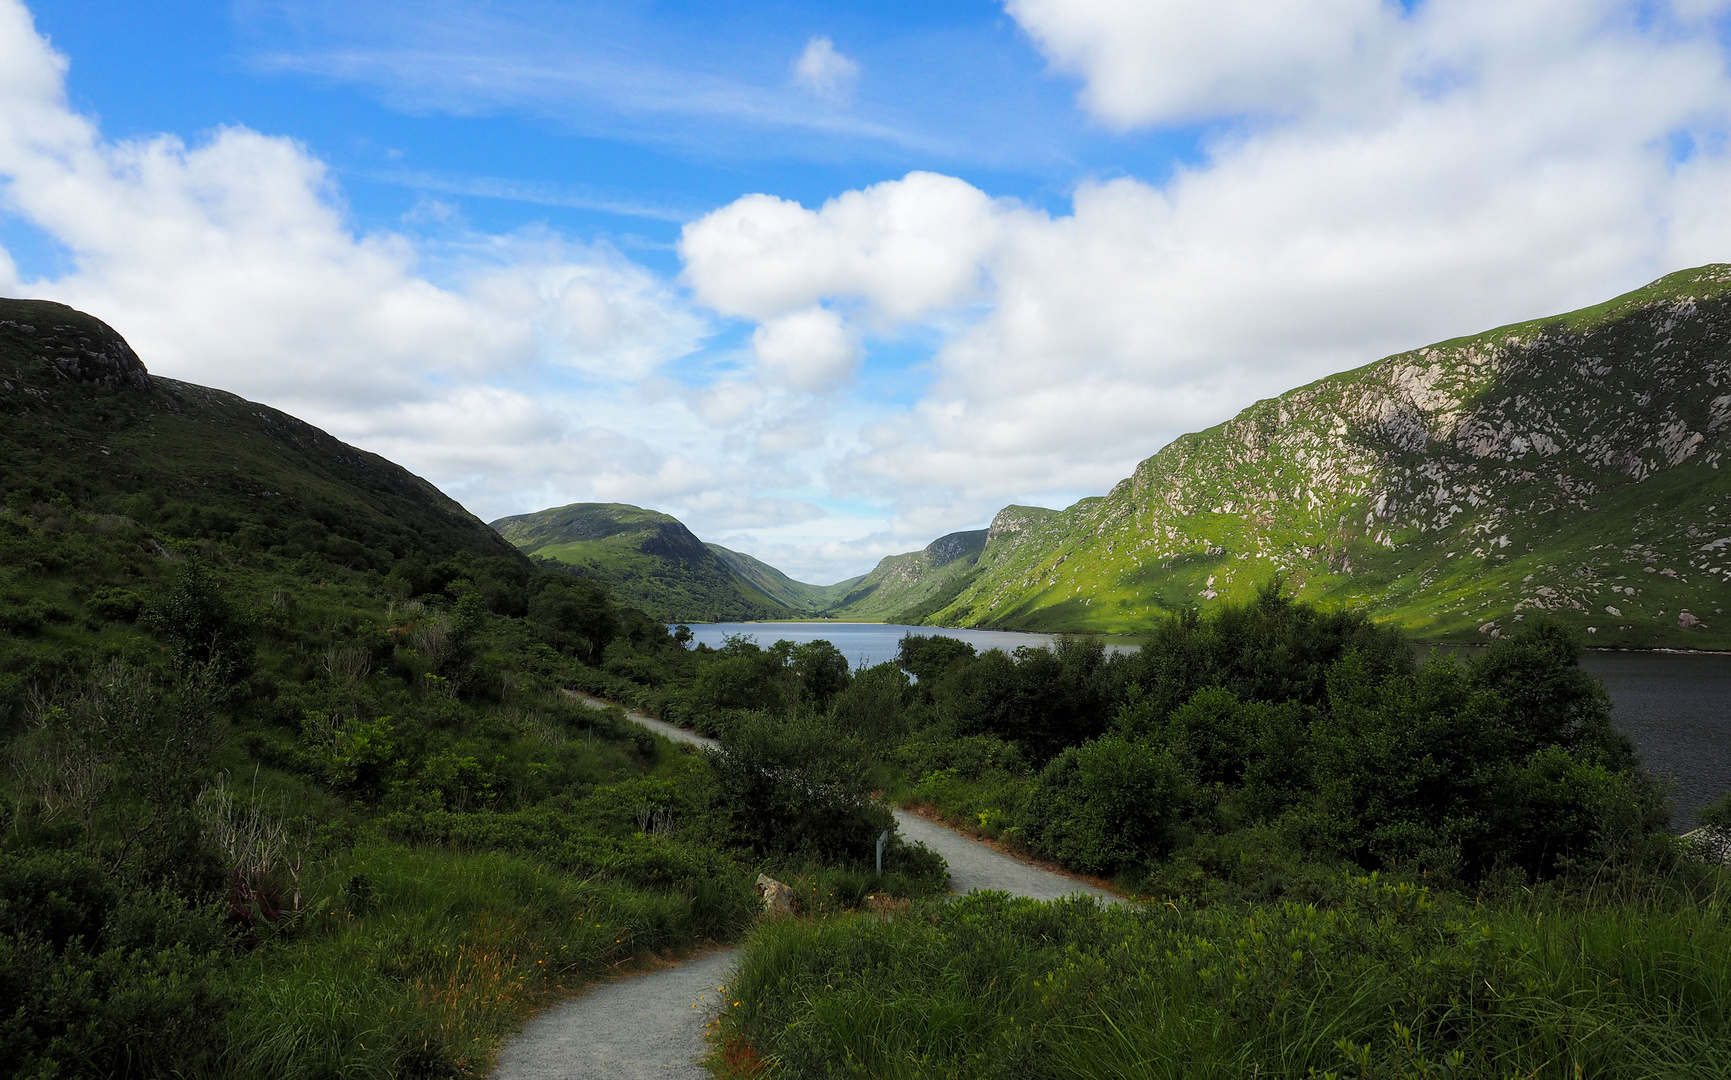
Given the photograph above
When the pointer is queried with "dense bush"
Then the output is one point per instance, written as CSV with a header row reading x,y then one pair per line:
x,y
1275,716
798,786
202,717
98,981
1110,804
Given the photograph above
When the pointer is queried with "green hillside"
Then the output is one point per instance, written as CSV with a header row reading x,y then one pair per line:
x,y
85,421
1568,465
908,588
289,782
797,596
647,559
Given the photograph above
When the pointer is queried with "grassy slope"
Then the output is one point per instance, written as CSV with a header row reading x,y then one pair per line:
x,y
908,587
647,559
94,425
1553,465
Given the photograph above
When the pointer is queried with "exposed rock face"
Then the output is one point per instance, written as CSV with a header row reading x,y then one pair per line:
x,y
77,347
1577,449
777,898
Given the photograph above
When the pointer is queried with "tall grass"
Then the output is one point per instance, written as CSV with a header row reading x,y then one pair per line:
x,y
419,962
1390,981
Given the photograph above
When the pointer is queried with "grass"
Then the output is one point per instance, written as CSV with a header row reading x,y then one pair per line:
x,y
444,957
1388,981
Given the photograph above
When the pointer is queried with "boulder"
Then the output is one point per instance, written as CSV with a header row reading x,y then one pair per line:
x,y
777,898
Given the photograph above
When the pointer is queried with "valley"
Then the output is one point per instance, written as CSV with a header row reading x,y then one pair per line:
x,y
1568,466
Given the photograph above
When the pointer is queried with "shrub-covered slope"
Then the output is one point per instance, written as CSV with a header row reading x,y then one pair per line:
x,y
1570,465
647,559
84,418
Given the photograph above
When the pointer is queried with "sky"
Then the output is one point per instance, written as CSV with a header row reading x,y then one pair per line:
x,y
829,280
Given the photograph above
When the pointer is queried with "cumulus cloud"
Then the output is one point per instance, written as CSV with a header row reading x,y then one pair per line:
x,y
1145,61
824,72
810,349
907,248
1376,178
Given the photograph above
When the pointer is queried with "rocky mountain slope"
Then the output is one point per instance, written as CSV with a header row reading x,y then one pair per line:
x,y
646,559
1570,466
81,418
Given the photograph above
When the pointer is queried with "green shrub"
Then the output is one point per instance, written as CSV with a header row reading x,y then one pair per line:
x,y
873,706
798,786
96,981
199,623
1716,814
1109,805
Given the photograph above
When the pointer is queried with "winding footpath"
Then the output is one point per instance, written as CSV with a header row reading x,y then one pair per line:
x,y
652,1025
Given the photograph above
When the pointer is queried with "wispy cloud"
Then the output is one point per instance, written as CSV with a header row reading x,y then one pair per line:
x,y
825,72
585,88
564,196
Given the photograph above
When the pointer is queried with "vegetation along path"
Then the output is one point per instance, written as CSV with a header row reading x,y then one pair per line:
x,y
652,1025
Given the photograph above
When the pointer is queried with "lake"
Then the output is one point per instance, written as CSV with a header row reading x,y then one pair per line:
x,y
1675,706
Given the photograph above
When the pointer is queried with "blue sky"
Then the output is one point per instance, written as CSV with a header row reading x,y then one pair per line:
x,y
828,280
409,101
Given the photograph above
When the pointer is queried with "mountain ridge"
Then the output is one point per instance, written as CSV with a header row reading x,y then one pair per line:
x,y
1357,486
87,420
647,558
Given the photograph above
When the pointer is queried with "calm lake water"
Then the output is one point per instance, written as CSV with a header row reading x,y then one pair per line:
x,y
1675,706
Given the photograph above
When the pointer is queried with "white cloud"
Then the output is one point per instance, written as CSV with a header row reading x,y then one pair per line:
x,y
1147,61
809,350
907,248
824,72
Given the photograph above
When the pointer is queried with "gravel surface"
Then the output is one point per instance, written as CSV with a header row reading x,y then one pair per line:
x,y
644,1026
647,1025
973,865
660,727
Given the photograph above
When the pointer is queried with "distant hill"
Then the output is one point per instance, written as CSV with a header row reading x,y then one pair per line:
x,y
83,419
797,596
1570,465
649,560
909,588
653,561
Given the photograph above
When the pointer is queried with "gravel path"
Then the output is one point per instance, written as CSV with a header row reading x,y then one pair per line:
x,y
647,1025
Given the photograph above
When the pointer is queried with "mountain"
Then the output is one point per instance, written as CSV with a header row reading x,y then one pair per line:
x,y
85,421
648,560
1569,466
796,596
908,588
